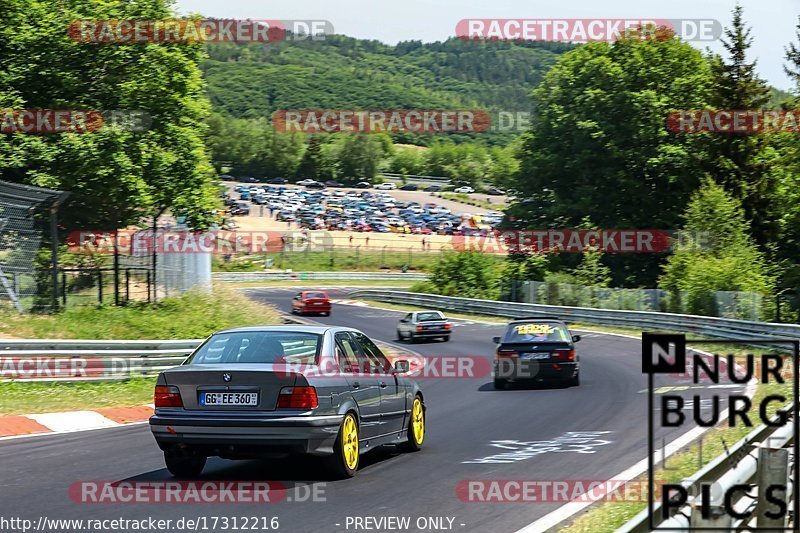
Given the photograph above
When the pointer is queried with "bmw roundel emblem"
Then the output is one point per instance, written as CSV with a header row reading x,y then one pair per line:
x,y
226,376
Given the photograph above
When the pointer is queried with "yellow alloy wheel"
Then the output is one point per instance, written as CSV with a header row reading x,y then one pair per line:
x,y
418,421
350,442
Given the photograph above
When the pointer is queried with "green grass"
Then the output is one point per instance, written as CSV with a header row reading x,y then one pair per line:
x,y
194,315
467,199
341,260
395,284
31,397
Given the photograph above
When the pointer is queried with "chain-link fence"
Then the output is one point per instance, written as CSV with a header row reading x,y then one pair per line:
x,y
26,214
727,304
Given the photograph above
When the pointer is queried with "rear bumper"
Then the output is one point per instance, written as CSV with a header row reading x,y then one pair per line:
x,y
249,436
314,309
522,370
431,333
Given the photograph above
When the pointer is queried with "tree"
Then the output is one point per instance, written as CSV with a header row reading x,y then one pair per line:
x,y
468,274
742,162
591,271
311,164
599,147
716,252
115,175
361,154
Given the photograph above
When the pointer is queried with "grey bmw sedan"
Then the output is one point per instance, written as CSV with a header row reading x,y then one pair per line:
x,y
277,390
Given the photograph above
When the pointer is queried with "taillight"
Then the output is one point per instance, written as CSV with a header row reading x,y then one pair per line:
x,y
167,396
298,398
420,328
563,355
448,326
502,354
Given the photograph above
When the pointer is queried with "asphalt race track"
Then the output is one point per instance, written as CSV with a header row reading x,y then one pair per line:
x,y
465,416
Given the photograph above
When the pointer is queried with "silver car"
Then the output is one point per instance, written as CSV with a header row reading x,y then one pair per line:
x,y
278,390
424,325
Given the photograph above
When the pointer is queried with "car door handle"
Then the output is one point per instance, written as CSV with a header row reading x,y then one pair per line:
x,y
383,384
356,384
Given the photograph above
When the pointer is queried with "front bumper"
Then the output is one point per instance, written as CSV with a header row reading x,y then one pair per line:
x,y
249,435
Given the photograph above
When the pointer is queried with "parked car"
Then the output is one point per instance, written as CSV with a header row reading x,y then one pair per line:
x,y
424,325
464,190
409,187
305,182
276,181
433,188
362,185
315,185
249,179
306,302
334,183
494,191
386,186
240,209
536,349
267,390
227,177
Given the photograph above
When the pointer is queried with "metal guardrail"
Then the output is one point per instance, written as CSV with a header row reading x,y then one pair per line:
x,y
58,359
760,459
722,328
301,276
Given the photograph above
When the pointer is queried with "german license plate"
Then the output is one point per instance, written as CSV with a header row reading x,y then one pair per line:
x,y
535,355
229,398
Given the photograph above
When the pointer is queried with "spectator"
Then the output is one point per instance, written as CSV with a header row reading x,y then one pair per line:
x,y
351,240
366,241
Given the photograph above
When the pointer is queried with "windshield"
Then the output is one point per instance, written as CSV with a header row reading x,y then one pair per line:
x,y
316,295
537,332
259,347
427,317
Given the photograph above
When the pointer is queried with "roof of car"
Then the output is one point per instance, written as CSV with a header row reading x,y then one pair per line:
x,y
302,328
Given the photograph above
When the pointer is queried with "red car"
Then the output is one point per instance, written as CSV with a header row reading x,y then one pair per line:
x,y
311,302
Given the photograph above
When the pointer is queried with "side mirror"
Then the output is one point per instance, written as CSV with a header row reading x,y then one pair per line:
x,y
576,338
496,340
402,366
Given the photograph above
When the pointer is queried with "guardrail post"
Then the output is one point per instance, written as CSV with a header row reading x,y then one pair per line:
x,y
100,287
773,469
63,288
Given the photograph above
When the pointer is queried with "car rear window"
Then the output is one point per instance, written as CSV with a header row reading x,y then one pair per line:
x,y
316,295
426,317
536,332
259,347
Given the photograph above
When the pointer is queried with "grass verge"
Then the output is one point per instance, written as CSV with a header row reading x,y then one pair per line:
x,y
19,398
194,315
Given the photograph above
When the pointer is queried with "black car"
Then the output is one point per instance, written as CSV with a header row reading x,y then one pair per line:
x,y
315,185
362,185
536,349
409,187
433,188
227,177
276,181
249,179
494,191
334,183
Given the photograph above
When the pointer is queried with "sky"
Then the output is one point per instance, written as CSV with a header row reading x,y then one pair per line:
x,y
773,22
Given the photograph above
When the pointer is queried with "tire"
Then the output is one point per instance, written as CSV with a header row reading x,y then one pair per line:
x,y
344,461
416,427
576,380
500,384
399,335
446,338
412,339
184,464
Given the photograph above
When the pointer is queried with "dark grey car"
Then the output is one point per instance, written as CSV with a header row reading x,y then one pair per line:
x,y
278,390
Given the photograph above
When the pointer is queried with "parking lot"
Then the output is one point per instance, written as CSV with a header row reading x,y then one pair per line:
x,y
391,213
